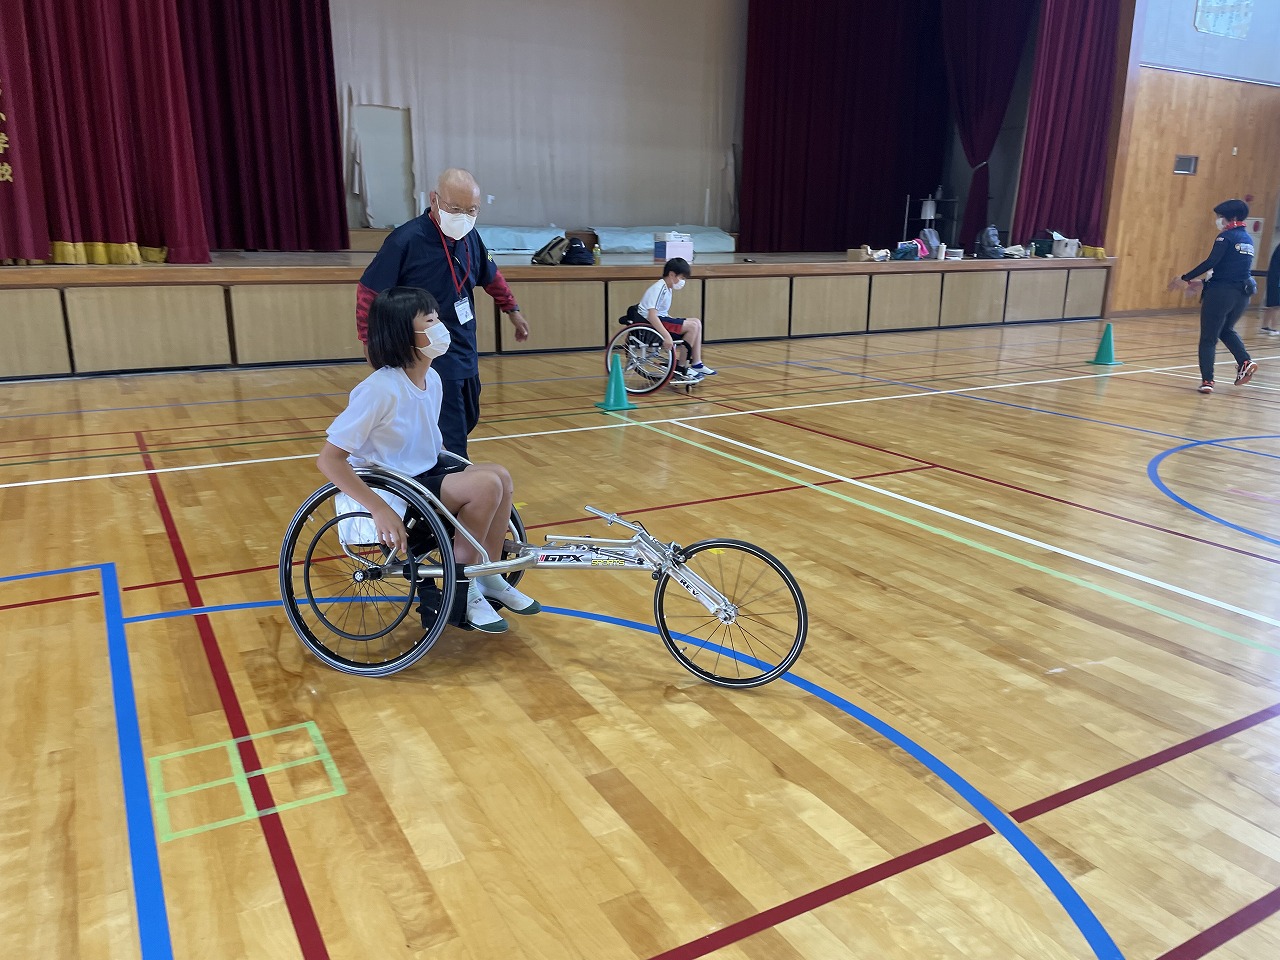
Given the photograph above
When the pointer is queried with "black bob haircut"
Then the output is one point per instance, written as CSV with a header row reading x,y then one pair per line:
x,y
391,317
679,266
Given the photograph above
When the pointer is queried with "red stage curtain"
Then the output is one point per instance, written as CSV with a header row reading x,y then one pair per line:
x,y
260,79
983,44
1064,160
24,228
112,174
844,116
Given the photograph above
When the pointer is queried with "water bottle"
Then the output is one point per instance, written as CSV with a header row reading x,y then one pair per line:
x,y
595,254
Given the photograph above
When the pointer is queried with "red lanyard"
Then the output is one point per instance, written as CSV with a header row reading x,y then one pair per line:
x,y
457,287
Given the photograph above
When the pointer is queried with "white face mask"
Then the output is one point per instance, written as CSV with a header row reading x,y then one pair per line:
x,y
455,226
678,285
438,341
1220,223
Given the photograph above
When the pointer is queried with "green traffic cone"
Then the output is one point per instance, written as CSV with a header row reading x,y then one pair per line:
x,y
1106,356
615,394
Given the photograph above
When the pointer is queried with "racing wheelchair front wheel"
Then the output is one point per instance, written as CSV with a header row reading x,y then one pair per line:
x,y
755,636
349,600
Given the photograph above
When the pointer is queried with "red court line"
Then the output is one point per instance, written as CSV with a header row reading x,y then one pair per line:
x,y
552,523
1204,943
151,430
310,940
173,446
1131,770
727,936
36,603
731,496
1014,486
811,901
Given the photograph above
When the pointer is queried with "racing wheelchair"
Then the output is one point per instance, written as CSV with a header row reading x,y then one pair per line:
x,y
729,612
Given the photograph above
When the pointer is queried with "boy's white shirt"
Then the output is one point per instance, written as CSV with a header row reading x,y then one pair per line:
x,y
657,297
388,422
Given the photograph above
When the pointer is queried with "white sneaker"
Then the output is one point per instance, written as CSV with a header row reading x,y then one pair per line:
x,y
481,616
702,370
511,598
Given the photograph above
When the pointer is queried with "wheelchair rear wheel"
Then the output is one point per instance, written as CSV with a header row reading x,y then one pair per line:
x,y
350,603
647,364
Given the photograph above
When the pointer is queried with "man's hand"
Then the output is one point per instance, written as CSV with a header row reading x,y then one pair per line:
x,y
521,324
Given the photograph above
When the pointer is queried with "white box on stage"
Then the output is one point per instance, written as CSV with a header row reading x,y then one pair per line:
x,y
668,245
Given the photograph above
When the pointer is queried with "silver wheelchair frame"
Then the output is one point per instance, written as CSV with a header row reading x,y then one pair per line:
x,y
728,611
647,365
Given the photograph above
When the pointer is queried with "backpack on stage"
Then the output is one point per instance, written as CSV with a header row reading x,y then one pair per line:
x,y
576,254
552,253
989,247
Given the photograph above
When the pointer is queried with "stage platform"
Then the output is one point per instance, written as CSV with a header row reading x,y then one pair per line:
x,y
255,308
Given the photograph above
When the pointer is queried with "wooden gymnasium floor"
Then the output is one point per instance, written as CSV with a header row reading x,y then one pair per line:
x,y
1038,715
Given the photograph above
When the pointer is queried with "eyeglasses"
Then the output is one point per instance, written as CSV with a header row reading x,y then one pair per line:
x,y
453,208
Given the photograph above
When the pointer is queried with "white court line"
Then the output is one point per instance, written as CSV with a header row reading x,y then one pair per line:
x,y
1061,551
143,473
1251,385
916,395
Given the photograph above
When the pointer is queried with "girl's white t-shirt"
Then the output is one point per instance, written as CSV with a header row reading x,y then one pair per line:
x,y
389,422
657,297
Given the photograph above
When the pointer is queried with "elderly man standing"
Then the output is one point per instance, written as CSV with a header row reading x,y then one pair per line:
x,y
441,252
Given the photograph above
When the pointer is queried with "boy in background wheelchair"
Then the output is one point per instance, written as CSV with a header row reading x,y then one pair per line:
x,y
392,421
654,307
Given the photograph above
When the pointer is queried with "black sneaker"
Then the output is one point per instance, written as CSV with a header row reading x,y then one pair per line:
x,y
1206,386
1245,372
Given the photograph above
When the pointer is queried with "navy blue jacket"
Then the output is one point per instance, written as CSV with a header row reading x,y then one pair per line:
x,y
416,254
1231,258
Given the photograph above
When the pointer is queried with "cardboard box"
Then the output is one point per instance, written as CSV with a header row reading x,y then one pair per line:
x,y
667,246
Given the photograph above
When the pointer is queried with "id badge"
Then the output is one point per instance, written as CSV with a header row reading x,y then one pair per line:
x,y
463,309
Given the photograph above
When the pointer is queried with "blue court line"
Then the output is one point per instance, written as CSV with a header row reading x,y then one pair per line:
x,y
221,608
144,857
1103,946
1153,473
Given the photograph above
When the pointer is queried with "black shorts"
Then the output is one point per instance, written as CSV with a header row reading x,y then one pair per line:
x,y
434,477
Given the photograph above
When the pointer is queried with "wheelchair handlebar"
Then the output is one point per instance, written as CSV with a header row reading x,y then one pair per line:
x,y
612,518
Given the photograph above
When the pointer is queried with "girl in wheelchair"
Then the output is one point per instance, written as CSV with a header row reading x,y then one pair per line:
x,y
392,421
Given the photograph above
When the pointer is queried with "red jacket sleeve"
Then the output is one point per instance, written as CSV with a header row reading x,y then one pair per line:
x,y
364,298
501,293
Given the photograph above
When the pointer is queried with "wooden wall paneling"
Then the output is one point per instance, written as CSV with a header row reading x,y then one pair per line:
x,y
488,320
33,336
1086,290
748,308
294,321
367,238
905,300
561,314
1164,225
969,298
829,304
1036,295
145,328
623,293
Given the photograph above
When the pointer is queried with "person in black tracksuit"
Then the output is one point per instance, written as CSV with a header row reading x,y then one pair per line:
x,y
1226,293
1271,315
